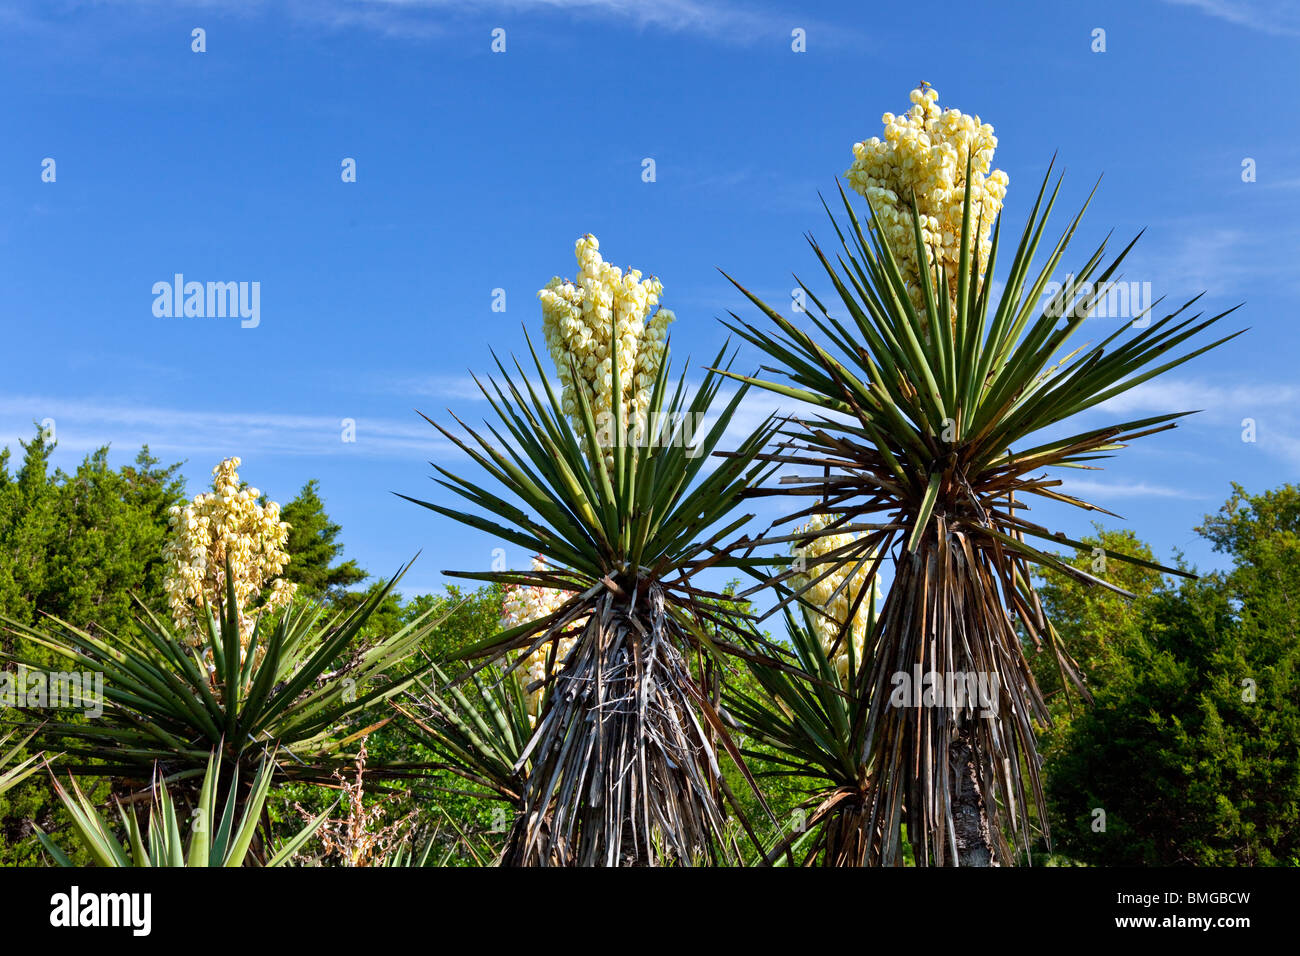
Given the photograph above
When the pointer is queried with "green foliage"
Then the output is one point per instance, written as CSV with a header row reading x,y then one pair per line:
x,y
457,827
808,727
293,686
1188,768
79,546
478,728
225,840
15,766
1096,624
471,617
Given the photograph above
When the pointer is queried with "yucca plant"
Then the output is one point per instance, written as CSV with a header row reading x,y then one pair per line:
x,y
477,729
811,727
623,762
927,433
226,840
12,770
302,685
432,850
416,853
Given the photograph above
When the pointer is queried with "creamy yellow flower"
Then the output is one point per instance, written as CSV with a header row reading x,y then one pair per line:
x,y
226,523
524,604
581,317
924,153
819,595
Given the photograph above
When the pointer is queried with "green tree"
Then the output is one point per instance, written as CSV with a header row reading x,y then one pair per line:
x,y
81,546
111,526
1192,748
26,527
1095,624
1262,533
314,548
78,547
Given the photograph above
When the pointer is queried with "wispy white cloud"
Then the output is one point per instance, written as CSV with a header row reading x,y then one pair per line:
x,y
458,388
82,425
717,19
1278,17
1268,411
1218,402
1104,490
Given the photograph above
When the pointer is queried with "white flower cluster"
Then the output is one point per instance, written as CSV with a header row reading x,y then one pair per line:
x,y
524,604
225,523
580,319
924,152
819,595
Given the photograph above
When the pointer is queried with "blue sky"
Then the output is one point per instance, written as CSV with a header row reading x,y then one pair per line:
x,y
478,170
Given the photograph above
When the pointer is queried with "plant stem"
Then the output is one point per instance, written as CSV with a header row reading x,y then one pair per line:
x,y
970,820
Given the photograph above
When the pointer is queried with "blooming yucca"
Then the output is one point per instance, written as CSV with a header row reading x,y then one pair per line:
x,y
226,525
580,318
823,586
296,684
622,763
934,399
924,155
523,604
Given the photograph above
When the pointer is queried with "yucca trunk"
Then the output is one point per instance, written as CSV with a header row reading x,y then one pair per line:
x,y
625,772
846,837
519,852
975,845
950,686
849,839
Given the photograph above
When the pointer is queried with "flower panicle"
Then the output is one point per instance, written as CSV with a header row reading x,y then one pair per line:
x,y
580,319
226,525
923,153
